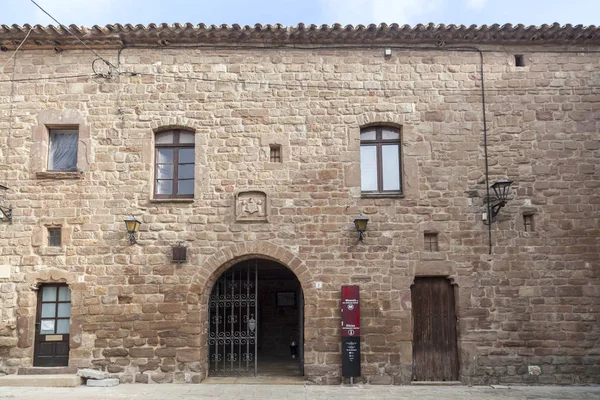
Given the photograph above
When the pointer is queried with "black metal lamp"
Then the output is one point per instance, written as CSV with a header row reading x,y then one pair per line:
x,y
360,223
501,188
6,212
133,225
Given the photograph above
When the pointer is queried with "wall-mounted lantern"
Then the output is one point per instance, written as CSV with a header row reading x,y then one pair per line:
x,y
501,189
5,211
179,253
360,223
132,225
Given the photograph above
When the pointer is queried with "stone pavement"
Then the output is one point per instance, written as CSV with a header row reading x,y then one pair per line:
x,y
304,392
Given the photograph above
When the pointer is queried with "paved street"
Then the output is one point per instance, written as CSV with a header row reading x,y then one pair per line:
x,y
277,392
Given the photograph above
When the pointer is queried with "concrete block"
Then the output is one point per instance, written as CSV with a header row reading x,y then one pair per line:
x,y
103,382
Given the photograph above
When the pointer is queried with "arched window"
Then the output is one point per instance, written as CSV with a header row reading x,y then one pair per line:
x,y
174,164
380,160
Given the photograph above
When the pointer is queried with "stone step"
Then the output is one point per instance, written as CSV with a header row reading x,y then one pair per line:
x,y
102,382
436,383
47,370
41,380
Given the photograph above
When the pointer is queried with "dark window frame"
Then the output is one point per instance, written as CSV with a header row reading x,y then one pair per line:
x,y
52,230
56,301
176,146
275,153
431,241
379,142
528,223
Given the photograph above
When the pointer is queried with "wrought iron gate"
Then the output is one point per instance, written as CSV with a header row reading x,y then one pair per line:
x,y
232,336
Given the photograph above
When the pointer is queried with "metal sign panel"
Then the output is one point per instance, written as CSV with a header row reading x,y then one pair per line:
x,y
351,356
350,330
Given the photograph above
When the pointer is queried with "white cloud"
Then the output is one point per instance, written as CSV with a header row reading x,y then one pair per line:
x,y
377,11
476,4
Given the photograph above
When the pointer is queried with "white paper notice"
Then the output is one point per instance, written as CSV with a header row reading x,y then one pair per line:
x,y
48,325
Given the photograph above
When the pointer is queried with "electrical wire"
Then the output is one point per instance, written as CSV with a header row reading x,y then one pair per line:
x,y
17,49
44,78
307,86
301,85
103,75
349,47
72,34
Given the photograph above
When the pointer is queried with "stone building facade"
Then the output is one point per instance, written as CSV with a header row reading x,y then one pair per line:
x,y
276,115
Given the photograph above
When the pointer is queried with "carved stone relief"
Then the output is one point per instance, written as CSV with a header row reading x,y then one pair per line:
x,y
251,206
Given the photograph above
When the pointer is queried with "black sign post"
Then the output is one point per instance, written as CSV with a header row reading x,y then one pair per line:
x,y
350,332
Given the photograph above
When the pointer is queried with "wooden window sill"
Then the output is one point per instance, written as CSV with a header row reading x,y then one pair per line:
x,y
58,175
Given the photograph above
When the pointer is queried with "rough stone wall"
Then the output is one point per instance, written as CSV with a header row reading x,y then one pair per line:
x,y
533,303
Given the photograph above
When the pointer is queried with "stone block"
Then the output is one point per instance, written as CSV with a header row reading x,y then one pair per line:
x,y
102,382
5,271
92,374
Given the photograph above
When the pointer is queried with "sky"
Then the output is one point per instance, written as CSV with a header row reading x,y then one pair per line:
x,y
291,12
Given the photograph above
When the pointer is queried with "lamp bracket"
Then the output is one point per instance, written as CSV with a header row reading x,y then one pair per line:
x,y
132,239
496,206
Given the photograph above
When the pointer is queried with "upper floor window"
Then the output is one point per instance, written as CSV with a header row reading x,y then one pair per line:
x,y
380,160
62,155
174,164
431,241
54,236
275,153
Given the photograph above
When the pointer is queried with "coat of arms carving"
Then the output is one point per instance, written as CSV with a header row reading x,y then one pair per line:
x,y
251,206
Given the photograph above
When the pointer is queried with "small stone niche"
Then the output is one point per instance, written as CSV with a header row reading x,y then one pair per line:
x,y
519,60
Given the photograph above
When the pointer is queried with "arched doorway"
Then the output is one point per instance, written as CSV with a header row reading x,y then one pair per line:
x,y
256,321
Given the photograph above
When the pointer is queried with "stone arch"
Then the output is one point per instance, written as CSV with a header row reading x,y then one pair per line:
x,y
164,128
167,123
215,265
51,275
377,118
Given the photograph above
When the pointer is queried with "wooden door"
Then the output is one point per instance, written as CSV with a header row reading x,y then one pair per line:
x,y
435,355
52,328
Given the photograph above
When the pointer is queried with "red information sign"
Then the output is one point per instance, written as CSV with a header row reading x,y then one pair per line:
x,y
350,331
350,311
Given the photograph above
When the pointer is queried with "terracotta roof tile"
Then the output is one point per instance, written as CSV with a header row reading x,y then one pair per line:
x,y
394,34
